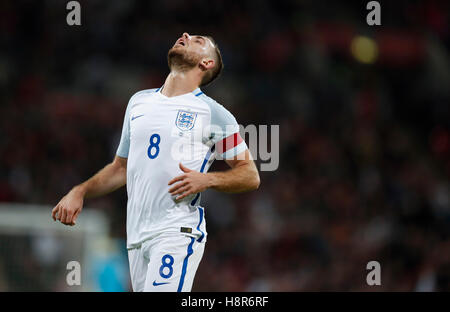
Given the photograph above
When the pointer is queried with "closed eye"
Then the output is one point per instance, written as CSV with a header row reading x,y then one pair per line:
x,y
200,40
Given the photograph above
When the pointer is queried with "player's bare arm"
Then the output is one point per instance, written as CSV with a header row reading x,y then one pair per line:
x,y
242,177
107,180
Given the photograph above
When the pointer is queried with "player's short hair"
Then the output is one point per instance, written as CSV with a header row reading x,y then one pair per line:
x,y
212,74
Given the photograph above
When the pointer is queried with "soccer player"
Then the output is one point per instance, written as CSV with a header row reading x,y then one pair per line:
x,y
170,137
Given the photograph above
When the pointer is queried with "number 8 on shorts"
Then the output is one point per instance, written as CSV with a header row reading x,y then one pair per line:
x,y
167,262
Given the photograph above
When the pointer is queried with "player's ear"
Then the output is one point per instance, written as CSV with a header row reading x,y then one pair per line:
x,y
206,64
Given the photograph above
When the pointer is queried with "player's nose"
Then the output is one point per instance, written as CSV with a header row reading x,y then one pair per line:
x,y
186,36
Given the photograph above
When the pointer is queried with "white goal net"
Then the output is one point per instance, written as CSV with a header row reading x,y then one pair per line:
x,y
35,251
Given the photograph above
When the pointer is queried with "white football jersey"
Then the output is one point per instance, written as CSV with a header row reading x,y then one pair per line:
x,y
158,133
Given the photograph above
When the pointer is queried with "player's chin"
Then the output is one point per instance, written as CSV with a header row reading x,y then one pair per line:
x,y
177,48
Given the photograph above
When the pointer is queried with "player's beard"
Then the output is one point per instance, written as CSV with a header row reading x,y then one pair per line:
x,y
179,59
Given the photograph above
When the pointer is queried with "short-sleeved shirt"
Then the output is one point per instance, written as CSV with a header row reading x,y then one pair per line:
x,y
158,133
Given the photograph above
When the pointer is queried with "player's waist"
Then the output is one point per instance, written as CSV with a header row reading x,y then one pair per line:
x,y
137,241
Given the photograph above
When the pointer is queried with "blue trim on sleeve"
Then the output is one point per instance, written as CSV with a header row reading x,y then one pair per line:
x,y
190,251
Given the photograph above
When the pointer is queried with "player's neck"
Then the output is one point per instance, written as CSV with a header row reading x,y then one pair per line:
x,y
180,82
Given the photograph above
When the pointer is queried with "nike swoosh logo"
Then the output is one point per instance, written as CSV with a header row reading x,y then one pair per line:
x,y
134,117
157,284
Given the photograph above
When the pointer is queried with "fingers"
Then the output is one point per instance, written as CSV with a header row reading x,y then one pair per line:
x,y
62,215
184,169
176,179
177,186
75,216
182,190
55,212
180,177
69,217
190,192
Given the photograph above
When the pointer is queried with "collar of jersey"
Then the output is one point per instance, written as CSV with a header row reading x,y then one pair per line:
x,y
196,92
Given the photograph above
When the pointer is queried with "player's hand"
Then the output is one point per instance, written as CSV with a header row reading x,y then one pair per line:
x,y
69,207
190,182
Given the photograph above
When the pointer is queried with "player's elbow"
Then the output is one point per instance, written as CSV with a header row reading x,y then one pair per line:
x,y
254,182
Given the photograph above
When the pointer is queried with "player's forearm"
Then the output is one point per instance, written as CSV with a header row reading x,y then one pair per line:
x,y
107,180
239,179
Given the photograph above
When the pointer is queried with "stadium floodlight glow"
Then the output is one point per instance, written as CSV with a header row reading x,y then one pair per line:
x,y
364,49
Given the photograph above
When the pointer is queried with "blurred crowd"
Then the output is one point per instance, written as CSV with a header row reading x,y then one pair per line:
x,y
364,146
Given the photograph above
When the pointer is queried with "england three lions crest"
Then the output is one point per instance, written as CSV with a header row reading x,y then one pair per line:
x,y
185,120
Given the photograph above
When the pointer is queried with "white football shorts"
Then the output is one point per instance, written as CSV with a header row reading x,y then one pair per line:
x,y
167,263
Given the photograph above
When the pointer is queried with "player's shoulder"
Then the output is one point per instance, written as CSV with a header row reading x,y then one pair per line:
x,y
219,113
213,104
141,93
